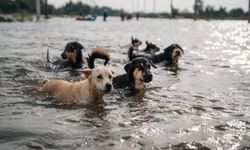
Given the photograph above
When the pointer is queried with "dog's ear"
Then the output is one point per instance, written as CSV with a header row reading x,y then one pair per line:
x,y
86,72
147,42
180,48
128,67
79,47
152,64
132,39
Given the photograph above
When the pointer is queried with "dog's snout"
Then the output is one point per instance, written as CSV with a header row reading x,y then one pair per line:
x,y
148,77
178,53
108,87
63,56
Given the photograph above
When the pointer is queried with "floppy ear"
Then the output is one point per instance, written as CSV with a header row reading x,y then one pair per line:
x,y
79,47
128,67
181,49
152,64
147,42
86,72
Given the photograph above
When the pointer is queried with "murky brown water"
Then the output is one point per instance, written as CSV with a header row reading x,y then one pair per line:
x,y
205,105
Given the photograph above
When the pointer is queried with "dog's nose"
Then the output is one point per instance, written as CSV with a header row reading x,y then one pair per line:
x,y
148,78
63,56
108,87
178,53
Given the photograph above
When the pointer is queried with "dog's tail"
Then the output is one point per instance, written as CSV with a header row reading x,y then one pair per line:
x,y
48,55
98,53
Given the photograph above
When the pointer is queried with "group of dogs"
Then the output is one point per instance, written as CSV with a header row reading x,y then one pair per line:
x,y
99,80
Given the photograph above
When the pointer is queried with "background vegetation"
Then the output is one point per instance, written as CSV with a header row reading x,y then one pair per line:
x,y
28,7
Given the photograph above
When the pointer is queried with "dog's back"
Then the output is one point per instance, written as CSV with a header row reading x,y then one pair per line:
x,y
63,90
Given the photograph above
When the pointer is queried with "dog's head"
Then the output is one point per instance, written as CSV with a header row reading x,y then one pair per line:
x,y
100,78
151,48
72,51
174,52
139,71
135,42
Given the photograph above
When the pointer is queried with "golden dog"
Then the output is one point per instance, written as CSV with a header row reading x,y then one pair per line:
x,y
98,82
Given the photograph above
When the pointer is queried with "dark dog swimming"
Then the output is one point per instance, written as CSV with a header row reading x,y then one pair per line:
x,y
137,74
170,55
71,57
150,48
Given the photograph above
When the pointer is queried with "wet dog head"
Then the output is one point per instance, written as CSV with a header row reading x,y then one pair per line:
x,y
72,51
174,52
151,48
135,42
139,71
100,78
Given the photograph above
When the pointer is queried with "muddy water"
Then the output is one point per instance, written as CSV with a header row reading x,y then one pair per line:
x,y
204,105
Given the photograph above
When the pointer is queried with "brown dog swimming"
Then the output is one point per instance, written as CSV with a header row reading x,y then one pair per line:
x,y
98,82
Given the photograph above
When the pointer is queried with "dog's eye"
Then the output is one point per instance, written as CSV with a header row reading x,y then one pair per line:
x,y
99,77
110,77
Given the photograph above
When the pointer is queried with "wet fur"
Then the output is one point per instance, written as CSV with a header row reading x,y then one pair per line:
x,y
97,53
167,55
133,77
150,48
89,90
71,57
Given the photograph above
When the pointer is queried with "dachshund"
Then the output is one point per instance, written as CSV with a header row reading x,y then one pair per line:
x,y
137,73
71,57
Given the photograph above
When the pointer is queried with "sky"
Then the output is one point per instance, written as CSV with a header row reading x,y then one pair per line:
x,y
161,5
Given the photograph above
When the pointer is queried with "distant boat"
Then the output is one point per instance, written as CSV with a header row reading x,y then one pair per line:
x,y
86,18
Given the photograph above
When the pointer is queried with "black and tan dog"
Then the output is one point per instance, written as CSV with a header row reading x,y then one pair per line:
x,y
170,55
71,57
137,73
150,48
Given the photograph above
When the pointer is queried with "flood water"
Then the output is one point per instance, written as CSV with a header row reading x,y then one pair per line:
x,y
204,105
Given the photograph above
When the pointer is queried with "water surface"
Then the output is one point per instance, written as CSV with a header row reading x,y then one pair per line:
x,y
204,105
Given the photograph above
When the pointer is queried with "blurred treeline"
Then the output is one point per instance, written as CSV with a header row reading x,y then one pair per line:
x,y
28,6
78,8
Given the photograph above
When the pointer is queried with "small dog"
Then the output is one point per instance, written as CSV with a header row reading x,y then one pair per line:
x,y
71,57
137,73
171,55
135,43
151,48
98,82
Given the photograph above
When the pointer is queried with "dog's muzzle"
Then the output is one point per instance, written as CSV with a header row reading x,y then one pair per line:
x,y
108,88
178,53
63,56
148,77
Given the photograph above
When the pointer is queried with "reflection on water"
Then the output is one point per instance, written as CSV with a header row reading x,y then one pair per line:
x,y
201,104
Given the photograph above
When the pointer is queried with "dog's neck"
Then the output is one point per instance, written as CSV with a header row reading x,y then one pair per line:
x,y
138,85
77,63
130,52
95,94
